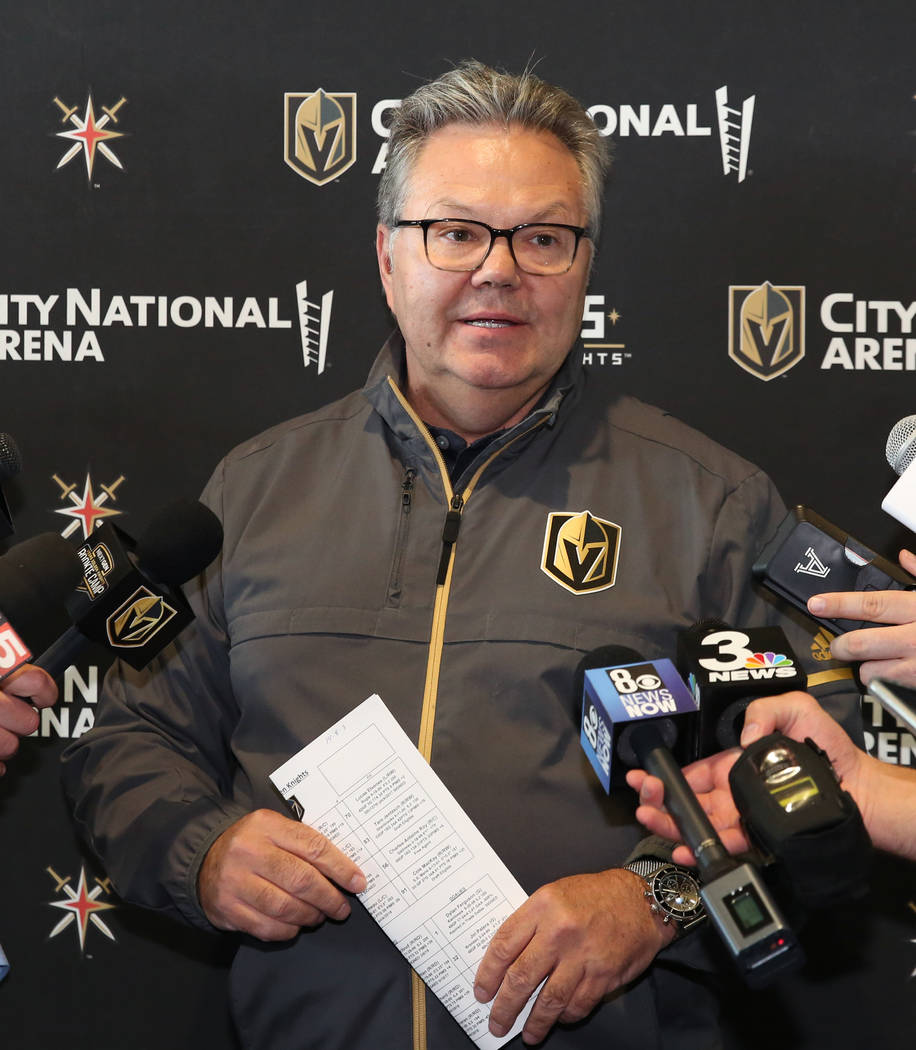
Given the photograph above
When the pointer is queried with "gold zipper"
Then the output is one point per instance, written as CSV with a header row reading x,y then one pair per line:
x,y
457,504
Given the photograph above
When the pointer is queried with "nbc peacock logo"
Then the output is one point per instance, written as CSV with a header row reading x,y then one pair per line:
x,y
774,660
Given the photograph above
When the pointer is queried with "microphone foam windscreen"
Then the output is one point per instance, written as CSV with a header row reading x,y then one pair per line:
x,y
603,656
179,542
697,631
36,577
49,562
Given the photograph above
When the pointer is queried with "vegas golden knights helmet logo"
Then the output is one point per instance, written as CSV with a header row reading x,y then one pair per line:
x,y
766,328
135,621
581,551
319,134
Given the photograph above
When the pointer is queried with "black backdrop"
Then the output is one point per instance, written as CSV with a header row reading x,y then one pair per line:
x,y
194,199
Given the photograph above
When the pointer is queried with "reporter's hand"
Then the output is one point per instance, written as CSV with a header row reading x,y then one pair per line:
x,y
796,714
884,652
20,694
709,779
269,875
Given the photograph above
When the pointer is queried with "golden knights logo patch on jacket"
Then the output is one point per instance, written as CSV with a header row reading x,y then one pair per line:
x,y
581,551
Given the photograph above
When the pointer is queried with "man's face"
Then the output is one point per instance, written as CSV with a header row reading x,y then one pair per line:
x,y
482,346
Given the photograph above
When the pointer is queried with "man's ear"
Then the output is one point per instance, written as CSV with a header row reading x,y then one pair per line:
x,y
383,254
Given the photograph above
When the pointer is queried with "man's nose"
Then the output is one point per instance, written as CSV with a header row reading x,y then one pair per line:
x,y
499,267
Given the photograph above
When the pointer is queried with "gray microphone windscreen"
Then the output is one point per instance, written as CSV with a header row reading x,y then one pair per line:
x,y
10,457
901,444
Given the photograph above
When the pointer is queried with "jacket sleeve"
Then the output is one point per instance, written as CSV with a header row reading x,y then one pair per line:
x,y
151,783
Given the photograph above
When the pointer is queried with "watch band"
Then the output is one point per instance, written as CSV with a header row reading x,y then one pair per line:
x,y
673,892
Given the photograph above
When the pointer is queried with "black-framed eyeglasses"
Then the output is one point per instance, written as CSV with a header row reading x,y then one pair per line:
x,y
542,248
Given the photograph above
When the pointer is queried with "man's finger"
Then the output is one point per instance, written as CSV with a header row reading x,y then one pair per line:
x,y
894,607
650,789
684,856
876,643
507,943
266,927
276,902
17,716
559,995
658,822
293,857
312,847
519,984
784,712
903,672
33,685
300,881
9,744
701,776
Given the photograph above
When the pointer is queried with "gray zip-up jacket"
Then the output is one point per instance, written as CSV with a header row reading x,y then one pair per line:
x,y
351,565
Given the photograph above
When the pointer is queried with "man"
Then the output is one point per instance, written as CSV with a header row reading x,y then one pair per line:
x,y
453,537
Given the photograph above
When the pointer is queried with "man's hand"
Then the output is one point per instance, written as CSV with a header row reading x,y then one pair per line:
x,y
884,652
269,875
20,694
587,934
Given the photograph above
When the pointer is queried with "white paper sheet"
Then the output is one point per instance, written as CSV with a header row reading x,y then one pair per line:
x,y
435,885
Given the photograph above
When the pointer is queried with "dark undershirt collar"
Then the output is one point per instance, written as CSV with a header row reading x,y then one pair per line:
x,y
456,452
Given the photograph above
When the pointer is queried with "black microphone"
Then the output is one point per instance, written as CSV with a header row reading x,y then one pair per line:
x,y
629,711
738,901
10,465
128,600
900,450
36,577
726,669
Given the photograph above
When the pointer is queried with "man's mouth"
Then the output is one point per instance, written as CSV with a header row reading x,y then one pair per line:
x,y
491,322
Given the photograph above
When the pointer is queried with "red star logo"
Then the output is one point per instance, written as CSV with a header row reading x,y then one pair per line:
x,y
82,908
87,510
89,135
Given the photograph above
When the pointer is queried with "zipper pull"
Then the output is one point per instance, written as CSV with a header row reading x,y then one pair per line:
x,y
407,488
449,536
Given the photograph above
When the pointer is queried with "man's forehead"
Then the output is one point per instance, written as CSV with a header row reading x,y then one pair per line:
x,y
469,165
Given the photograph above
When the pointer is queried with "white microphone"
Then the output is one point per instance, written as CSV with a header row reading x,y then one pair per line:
x,y
900,502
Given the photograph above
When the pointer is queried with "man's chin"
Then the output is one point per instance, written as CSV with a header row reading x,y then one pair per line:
x,y
493,378
492,367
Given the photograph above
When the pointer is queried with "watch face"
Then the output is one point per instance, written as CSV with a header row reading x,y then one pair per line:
x,y
678,893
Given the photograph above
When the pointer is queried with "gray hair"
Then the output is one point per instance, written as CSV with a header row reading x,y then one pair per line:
x,y
473,93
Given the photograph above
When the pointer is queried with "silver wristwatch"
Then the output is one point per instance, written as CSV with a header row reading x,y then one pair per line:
x,y
672,892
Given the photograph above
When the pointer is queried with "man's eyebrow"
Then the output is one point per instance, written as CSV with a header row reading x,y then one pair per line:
x,y
451,206
457,209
